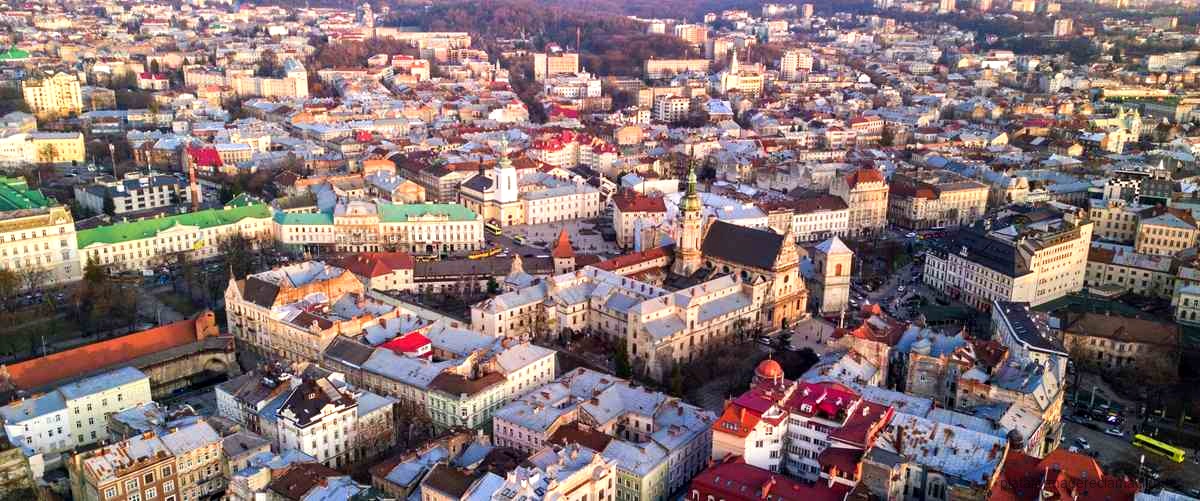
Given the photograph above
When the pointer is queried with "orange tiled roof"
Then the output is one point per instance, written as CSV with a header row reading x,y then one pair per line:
x,y
40,372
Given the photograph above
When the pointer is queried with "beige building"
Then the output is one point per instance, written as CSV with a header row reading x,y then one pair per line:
x,y
58,147
1116,220
138,469
936,198
546,65
1121,345
865,191
1166,233
145,244
634,212
362,226
664,68
1120,268
293,313
535,198
197,451
53,95
34,235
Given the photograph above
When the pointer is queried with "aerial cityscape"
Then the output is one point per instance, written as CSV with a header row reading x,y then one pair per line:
x,y
600,250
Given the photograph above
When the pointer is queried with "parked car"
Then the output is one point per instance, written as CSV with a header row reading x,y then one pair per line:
x,y
1116,432
1082,443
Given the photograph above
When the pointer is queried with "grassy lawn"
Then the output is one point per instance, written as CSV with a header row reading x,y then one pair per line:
x,y
178,302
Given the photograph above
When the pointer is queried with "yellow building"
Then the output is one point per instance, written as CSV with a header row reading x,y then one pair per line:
x,y
34,235
1167,233
58,147
53,95
865,191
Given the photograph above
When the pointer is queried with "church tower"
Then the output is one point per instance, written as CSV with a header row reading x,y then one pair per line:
x,y
831,265
563,254
687,246
505,176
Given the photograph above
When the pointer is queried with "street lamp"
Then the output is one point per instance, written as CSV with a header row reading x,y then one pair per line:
x,y
112,155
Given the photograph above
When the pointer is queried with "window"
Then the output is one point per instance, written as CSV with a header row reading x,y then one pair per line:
x,y
148,478
151,493
133,496
131,485
168,486
110,493
166,471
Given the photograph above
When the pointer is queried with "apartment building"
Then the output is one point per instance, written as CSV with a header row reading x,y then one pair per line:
x,y
695,34
793,62
550,65
137,469
335,424
1166,233
135,192
865,192
1116,220
665,68
52,95
149,243
935,198
54,148
633,213
293,312
671,108
1122,345
996,260
1112,268
197,451
658,443
35,233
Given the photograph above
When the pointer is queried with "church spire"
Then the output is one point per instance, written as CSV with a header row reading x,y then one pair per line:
x,y
691,200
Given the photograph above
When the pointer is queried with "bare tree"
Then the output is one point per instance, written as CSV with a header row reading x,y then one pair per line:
x,y
33,278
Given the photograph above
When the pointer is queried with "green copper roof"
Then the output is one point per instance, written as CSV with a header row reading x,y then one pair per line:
x,y
13,53
304,218
392,213
16,195
147,228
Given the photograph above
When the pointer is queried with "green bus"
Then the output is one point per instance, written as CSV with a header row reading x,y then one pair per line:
x,y
1155,447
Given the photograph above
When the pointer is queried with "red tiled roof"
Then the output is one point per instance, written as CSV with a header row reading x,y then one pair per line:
x,y
631,201
738,481
87,359
204,156
863,424
408,343
562,246
824,400
1068,475
374,264
865,175
631,259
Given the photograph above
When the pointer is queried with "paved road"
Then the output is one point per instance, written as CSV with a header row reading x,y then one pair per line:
x,y
1117,454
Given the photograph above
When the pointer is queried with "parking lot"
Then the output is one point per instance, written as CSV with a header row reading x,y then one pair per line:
x,y
539,238
1097,436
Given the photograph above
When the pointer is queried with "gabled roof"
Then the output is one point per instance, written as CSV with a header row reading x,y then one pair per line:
x,y
374,264
864,175
562,246
742,245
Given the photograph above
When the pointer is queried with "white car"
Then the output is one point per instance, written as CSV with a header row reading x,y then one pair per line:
x,y
1116,432
1082,443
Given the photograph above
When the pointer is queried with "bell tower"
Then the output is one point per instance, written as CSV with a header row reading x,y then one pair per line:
x,y
687,247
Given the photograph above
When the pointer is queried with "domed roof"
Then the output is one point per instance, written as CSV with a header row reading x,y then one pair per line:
x,y
769,369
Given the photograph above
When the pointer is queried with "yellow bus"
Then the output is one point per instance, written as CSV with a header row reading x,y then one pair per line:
x,y
520,240
1155,447
484,253
491,228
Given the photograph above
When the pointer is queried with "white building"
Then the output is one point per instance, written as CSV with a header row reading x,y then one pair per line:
x,y
73,415
1034,264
